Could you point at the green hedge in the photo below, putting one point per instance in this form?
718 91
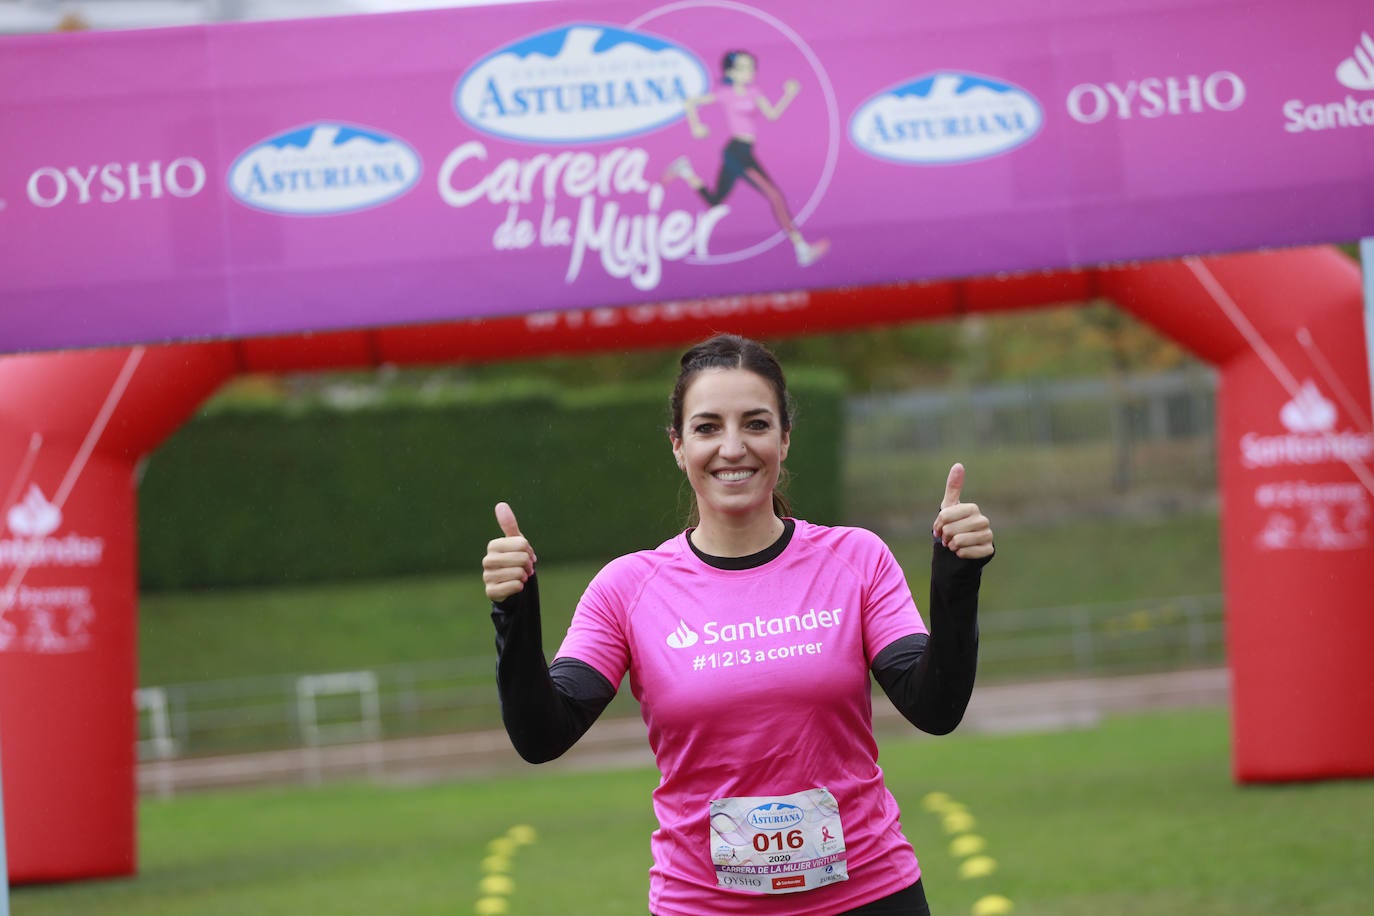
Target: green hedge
265 494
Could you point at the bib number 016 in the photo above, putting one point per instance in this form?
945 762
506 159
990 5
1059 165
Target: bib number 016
764 841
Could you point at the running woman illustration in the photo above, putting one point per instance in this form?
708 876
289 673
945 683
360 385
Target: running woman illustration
741 100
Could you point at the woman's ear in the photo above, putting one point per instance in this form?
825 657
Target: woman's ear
677 447
786 441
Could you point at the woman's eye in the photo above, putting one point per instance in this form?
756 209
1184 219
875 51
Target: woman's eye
761 425
703 429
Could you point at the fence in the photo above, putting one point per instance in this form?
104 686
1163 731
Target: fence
1036 450
312 710
1109 447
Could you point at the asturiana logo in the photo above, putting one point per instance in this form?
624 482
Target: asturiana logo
1355 72
946 117
775 816
580 83
32 522
322 169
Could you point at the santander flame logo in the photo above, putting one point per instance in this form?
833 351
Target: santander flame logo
35 517
683 637
1309 412
1357 71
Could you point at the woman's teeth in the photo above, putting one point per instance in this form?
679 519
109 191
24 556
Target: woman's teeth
733 475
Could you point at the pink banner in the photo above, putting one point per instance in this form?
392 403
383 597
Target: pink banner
263 178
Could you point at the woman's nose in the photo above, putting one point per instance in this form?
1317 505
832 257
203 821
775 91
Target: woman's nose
733 446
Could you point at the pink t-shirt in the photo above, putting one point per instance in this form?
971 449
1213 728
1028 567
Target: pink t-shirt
740 108
756 683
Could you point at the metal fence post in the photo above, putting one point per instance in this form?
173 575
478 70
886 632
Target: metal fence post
1082 640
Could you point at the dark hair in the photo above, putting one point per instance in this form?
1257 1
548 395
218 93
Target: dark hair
730 351
728 61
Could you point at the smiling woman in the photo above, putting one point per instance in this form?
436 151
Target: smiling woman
731 429
770 723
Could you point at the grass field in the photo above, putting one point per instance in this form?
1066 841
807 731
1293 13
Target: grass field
192 636
1136 816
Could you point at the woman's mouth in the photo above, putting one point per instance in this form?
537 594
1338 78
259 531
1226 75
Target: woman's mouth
733 475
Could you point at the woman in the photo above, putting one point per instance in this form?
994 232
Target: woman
741 99
748 639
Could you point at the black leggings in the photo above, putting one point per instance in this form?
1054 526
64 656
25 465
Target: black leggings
909 902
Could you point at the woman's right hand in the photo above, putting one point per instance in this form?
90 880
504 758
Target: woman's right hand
700 130
509 562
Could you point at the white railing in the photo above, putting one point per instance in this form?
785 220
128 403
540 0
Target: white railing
312 711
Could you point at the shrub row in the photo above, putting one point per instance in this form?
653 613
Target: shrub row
259 494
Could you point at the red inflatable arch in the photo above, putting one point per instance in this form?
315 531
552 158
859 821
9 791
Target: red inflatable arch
1283 327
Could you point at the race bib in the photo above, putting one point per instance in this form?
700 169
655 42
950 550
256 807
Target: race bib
778 845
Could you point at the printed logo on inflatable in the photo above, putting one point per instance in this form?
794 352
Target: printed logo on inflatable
580 83
323 169
1312 437
944 118
35 517
1309 412
1310 514
33 522
44 619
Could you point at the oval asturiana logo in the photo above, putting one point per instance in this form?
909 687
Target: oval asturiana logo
580 83
322 169
775 816
946 117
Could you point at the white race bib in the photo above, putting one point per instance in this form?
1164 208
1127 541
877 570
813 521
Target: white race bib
778 845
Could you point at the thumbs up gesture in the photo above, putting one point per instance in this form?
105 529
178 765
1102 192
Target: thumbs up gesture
960 525
509 562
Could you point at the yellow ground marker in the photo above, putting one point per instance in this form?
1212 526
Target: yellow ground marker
496 864
522 834
977 867
991 905
936 801
958 822
966 845
496 886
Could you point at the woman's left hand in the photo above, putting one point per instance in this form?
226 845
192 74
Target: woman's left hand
961 526
791 88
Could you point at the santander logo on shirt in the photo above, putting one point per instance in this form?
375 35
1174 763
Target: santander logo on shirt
760 627
683 637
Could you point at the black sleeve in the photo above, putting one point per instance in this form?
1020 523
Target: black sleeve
930 678
545 708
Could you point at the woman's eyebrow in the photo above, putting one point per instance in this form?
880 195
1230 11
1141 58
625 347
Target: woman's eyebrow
711 415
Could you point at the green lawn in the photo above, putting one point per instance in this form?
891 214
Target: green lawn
192 636
1136 816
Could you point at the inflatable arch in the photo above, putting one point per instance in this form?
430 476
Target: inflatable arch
1283 327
